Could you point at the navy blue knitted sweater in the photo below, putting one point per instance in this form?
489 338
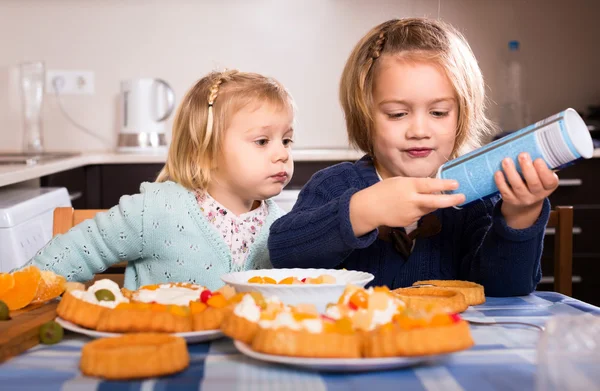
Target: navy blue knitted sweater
474 244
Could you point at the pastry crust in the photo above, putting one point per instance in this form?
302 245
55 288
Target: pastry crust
287 342
209 319
474 294
239 328
134 356
396 341
133 318
432 299
79 311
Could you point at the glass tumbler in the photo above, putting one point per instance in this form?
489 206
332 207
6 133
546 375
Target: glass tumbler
32 77
568 354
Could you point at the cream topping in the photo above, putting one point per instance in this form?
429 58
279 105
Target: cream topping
169 294
385 316
248 309
286 320
90 294
313 325
333 312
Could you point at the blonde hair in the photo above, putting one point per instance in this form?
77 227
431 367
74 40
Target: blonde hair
417 39
203 116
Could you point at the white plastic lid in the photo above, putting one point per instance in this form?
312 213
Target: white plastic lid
18 205
579 134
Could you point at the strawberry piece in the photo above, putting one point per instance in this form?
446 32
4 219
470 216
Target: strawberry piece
205 295
455 318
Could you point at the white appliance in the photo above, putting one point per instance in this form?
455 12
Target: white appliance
26 218
146 104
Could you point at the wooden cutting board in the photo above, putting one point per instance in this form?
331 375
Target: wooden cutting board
21 332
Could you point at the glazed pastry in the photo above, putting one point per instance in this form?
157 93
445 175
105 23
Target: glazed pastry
242 323
409 335
87 307
134 356
211 308
366 308
432 299
474 294
169 308
146 317
302 332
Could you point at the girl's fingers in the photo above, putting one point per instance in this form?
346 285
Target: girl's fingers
532 179
439 201
548 178
505 190
519 188
434 185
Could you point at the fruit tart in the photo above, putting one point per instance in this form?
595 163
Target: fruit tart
87 307
366 308
250 308
302 332
171 308
211 307
418 334
146 317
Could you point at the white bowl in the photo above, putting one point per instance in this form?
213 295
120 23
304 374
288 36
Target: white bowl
318 294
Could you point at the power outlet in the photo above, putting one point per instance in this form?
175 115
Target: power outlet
70 82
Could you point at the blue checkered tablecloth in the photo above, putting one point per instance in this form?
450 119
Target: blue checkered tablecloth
503 358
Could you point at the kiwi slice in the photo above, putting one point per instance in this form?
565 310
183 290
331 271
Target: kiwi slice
104 295
51 333
4 311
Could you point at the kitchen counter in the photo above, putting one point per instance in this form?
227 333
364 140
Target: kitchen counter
11 174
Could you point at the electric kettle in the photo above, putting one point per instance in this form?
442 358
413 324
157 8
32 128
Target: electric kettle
146 104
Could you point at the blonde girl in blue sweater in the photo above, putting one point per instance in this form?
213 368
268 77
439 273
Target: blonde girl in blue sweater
209 212
413 96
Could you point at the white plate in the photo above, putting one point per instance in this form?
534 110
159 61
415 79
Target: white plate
190 337
318 294
338 364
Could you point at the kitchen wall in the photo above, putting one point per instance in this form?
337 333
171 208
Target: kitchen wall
303 43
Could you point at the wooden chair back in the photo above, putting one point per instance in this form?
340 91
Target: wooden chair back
561 220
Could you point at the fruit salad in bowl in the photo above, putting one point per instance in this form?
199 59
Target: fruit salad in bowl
297 286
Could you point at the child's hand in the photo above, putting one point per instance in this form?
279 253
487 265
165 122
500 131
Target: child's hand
523 200
399 202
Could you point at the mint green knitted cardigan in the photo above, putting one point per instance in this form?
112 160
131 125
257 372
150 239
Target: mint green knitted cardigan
163 236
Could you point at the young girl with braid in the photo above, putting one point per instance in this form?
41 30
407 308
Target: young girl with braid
413 98
209 211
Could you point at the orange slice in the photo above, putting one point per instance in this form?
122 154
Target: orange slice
25 288
51 286
217 300
290 281
7 282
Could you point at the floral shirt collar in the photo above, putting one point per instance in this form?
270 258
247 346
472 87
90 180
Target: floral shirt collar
238 232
